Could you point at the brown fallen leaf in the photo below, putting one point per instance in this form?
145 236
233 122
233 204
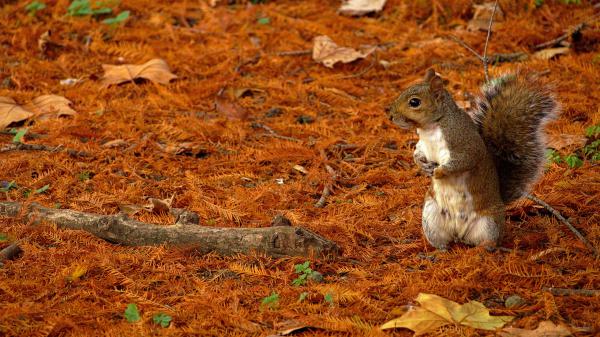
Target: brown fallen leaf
11 112
361 7
560 141
417 319
155 70
130 210
481 17
329 53
436 311
159 205
114 143
230 109
51 106
544 329
548 53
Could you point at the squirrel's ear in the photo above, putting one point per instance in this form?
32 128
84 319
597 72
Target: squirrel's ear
429 75
436 85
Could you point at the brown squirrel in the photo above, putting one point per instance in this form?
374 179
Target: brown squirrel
478 164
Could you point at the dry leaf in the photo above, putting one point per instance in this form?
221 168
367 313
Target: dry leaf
47 106
155 70
159 205
230 109
11 112
114 143
436 311
481 17
546 54
418 320
77 273
327 52
361 7
300 169
130 210
560 141
544 329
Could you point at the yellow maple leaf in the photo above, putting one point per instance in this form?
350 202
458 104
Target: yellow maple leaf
417 319
436 311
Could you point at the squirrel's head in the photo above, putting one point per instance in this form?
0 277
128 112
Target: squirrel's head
418 104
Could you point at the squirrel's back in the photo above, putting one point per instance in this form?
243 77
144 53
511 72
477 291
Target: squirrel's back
511 116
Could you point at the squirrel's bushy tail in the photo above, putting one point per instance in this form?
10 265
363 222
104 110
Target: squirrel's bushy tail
511 116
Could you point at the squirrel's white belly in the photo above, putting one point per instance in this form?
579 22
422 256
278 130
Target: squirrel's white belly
450 193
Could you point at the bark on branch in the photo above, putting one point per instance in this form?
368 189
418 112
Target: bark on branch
273 241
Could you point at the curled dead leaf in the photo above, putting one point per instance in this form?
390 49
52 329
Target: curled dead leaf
114 143
545 329
548 53
155 70
230 109
436 311
50 106
11 112
361 7
159 205
329 53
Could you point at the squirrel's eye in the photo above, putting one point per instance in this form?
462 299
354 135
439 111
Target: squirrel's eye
414 102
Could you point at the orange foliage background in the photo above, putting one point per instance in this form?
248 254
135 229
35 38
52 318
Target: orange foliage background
229 176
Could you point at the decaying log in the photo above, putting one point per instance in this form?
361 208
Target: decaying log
120 229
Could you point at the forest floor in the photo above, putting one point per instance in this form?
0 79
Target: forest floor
199 140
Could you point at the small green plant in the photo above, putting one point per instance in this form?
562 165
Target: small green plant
592 131
83 176
83 8
263 21
132 314
553 156
304 272
3 237
18 137
6 186
162 319
122 17
42 189
573 161
303 296
592 151
33 7
271 301
328 298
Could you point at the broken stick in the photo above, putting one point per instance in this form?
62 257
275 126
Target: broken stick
120 229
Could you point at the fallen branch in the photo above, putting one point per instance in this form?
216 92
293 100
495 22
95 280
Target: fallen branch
28 135
294 52
564 220
41 147
567 292
120 229
10 252
327 189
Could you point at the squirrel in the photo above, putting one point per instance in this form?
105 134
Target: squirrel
479 162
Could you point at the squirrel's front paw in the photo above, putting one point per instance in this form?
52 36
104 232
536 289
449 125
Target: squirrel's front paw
426 166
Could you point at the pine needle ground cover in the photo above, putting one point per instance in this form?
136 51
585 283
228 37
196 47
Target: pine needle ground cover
233 119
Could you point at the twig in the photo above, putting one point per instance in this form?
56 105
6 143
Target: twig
487 39
41 147
567 292
561 38
120 229
467 47
565 221
272 133
327 189
509 57
28 135
360 73
294 52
